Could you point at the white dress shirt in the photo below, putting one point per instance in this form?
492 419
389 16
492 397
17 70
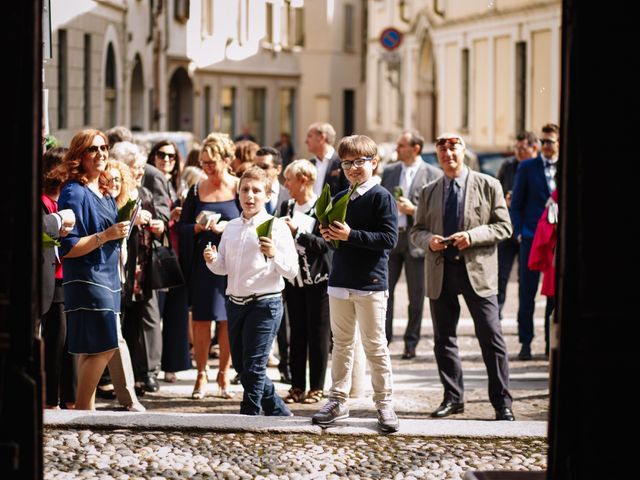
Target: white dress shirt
322 164
407 174
239 257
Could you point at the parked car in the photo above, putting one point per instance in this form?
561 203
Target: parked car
490 162
184 140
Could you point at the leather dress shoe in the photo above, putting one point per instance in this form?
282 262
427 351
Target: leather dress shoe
409 353
505 413
525 353
447 408
150 383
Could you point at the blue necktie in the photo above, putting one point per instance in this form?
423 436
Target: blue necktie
450 220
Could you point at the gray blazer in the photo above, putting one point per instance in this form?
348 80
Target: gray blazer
486 219
426 174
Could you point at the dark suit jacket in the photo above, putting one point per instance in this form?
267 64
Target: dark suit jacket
283 196
426 174
155 182
529 196
50 227
335 176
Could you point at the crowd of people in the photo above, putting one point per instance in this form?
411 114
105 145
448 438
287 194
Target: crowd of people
262 264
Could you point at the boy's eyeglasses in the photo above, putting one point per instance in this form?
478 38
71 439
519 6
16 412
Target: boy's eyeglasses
358 162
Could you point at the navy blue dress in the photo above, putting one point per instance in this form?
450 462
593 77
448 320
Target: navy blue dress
91 282
207 290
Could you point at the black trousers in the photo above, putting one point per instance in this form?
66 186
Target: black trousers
445 313
414 272
141 328
507 252
59 365
308 309
174 309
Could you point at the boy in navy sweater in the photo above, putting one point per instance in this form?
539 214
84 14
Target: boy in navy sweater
358 285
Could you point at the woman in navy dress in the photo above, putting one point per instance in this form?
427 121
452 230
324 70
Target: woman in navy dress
90 261
207 291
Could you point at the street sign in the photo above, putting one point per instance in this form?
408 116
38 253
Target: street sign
390 38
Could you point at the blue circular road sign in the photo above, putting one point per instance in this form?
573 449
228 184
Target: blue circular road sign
391 38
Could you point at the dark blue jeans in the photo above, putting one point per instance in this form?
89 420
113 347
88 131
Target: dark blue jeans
252 328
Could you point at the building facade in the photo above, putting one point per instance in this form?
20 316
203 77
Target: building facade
264 66
484 69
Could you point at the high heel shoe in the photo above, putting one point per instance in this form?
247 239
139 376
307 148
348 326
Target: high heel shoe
200 386
222 386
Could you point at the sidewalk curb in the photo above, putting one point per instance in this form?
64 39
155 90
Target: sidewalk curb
260 424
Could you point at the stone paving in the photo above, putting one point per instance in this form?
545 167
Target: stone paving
125 454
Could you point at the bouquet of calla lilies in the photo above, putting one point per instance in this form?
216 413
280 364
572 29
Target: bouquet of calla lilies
327 211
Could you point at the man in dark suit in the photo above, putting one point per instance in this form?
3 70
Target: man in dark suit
460 220
269 159
405 180
526 147
320 139
534 182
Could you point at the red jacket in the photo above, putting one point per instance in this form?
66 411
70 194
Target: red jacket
542 256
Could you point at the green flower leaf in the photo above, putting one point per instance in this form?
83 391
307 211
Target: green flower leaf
126 210
48 241
323 205
338 211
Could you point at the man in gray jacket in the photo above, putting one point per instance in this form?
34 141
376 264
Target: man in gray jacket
461 218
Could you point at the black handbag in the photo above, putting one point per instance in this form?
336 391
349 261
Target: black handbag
165 268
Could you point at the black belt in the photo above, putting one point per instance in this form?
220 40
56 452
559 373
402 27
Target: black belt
253 298
403 229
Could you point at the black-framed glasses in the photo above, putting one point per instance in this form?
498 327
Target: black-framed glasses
163 155
549 141
115 180
358 162
93 149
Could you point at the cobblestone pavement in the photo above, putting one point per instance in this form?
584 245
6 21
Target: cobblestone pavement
125 454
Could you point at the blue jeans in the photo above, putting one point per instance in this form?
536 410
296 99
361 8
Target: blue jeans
252 328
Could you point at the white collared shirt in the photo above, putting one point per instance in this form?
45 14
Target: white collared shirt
407 174
239 257
322 164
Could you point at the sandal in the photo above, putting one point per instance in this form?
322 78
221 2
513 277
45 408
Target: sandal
295 395
313 396
200 386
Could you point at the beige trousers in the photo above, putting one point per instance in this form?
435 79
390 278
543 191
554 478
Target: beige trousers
369 314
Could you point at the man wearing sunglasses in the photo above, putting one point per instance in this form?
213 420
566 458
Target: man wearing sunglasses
534 182
460 219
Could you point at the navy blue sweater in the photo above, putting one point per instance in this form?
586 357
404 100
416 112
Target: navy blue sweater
361 263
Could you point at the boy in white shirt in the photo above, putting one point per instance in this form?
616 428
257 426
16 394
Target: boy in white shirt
255 267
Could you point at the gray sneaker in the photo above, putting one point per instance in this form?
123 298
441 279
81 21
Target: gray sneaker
388 420
333 410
